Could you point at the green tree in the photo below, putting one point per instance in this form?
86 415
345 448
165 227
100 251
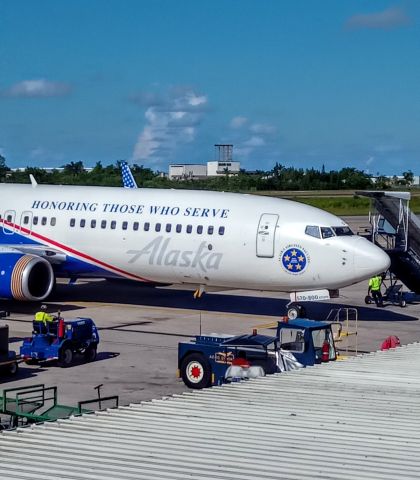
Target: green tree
73 168
4 169
408 177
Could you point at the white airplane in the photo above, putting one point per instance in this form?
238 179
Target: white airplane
199 238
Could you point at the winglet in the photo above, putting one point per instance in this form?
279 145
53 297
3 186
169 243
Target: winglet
33 181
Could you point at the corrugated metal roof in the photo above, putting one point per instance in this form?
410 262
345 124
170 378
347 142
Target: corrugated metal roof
343 420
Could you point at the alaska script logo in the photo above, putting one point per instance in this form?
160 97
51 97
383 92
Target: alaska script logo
158 252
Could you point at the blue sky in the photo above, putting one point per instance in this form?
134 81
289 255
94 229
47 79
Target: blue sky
299 82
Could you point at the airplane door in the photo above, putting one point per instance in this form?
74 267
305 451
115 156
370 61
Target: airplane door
266 235
9 219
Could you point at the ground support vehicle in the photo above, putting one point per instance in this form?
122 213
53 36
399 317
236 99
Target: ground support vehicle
394 294
38 403
61 340
8 358
205 360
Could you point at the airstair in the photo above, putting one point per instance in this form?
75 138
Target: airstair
397 230
344 324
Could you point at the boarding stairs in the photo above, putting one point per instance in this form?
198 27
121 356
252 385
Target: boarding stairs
344 323
397 230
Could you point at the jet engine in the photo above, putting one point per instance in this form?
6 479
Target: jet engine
25 276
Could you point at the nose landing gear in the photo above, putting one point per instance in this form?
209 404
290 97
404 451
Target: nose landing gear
295 310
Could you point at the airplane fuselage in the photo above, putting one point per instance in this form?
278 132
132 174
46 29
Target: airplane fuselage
180 236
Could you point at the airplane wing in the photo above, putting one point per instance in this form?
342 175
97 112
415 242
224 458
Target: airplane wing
53 255
127 176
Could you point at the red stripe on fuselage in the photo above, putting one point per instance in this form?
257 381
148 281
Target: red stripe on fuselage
72 251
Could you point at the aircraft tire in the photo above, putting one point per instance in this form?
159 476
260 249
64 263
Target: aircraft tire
196 371
296 311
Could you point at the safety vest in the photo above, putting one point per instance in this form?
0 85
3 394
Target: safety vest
43 317
375 283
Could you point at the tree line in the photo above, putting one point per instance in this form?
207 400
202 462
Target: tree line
279 177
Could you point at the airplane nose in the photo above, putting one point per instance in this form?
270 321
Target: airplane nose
370 259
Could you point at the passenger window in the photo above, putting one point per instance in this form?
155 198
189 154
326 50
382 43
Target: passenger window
189 228
35 221
313 231
199 229
103 224
179 228
93 224
168 227
124 225
221 230
326 232
44 221
146 226
136 226
72 221
157 227
82 223
26 220
113 224
9 218
210 230
52 221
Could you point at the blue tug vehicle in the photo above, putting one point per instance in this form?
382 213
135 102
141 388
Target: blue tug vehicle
214 359
61 340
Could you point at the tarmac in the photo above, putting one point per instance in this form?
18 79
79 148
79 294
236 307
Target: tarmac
140 328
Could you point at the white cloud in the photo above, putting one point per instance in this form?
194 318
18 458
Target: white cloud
246 148
44 157
387 148
195 100
370 160
255 142
392 17
171 122
238 122
37 88
37 152
262 128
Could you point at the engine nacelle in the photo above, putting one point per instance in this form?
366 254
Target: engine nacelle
25 276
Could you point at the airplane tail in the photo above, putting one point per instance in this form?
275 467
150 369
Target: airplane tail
127 176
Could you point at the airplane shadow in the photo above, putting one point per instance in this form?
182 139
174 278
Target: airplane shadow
133 294
130 294
320 311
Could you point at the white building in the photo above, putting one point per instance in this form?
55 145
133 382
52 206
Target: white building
186 171
392 178
218 167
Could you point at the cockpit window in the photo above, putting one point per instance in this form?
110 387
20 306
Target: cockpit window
313 231
342 231
327 232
